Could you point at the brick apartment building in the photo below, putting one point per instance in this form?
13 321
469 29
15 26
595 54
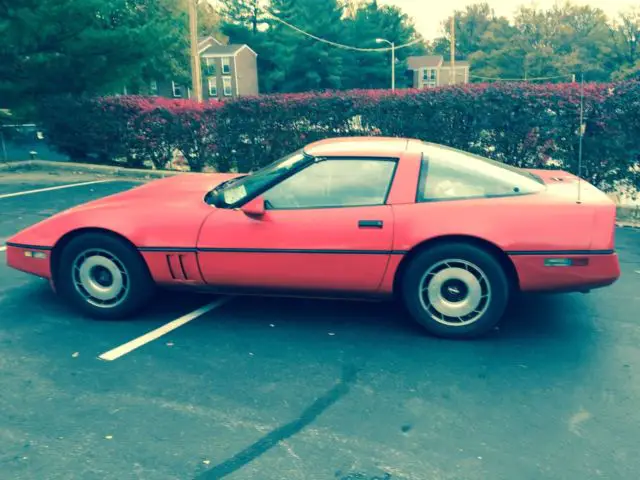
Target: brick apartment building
228 71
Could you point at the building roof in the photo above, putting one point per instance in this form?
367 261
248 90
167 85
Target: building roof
370 146
424 61
231 49
432 61
206 40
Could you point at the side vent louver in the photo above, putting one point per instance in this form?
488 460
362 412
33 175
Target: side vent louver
173 275
176 268
184 272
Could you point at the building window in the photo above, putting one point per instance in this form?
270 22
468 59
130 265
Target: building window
226 65
210 66
430 77
153 87
176 89
213 87
226 86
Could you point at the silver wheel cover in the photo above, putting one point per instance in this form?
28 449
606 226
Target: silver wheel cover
100 278
455 292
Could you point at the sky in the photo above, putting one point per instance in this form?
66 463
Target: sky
429 14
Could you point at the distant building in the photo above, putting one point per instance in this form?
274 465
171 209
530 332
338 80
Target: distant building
431 71
228 71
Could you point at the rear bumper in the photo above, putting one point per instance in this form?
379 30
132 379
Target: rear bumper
33 260
595 271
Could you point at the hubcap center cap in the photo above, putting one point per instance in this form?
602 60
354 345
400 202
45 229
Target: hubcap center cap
454 290
102 276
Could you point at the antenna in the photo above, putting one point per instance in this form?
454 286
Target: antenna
582 130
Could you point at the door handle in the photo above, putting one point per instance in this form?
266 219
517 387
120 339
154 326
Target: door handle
370 224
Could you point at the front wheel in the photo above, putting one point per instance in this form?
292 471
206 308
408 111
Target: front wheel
103 276
456 290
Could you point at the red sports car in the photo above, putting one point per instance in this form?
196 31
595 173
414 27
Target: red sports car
451 234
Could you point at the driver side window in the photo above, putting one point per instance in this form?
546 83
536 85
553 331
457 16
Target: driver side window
334 183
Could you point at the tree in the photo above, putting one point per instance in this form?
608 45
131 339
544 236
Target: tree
306 63
626 33
470 26
82 46
501 54
369 21
247 14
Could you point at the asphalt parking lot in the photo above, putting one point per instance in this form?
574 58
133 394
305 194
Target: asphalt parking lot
275 389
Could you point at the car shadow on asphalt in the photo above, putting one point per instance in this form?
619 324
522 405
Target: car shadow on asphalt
528 315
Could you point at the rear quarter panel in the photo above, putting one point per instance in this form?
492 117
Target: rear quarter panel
527 223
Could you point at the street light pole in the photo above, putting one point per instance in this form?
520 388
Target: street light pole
393 66
393 61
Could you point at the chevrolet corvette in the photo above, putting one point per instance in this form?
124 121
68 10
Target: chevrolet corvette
450 234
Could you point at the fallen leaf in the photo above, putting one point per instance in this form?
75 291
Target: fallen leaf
331 333
206 462
250 354
108 437
75 354
271 325
169 344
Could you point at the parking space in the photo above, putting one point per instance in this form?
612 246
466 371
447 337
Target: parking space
281 389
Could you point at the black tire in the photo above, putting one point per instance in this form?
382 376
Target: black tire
490 278
134 273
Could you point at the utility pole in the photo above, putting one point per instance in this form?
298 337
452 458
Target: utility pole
452 78
196 75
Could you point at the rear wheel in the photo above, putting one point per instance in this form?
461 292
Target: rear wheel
456 290
103 276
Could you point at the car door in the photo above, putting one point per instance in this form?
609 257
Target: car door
326 228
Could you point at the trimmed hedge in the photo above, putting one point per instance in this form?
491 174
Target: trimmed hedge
534 126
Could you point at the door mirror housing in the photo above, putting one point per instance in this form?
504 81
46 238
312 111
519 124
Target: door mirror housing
254 207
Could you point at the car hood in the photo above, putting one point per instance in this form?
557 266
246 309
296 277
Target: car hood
140 214
177 190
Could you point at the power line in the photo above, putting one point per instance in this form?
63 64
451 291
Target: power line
332 43
340 45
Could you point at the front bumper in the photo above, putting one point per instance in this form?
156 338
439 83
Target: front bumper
30 259
548 273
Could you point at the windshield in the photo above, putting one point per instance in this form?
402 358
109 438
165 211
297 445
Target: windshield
234 191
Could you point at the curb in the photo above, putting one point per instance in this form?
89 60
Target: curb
628 215
72 167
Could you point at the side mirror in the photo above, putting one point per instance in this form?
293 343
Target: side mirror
254 208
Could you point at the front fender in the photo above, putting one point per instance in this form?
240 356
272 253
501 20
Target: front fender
144 224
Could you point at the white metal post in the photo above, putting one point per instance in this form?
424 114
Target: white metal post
393 66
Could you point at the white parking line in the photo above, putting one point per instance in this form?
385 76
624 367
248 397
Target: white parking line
48 189
158 332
